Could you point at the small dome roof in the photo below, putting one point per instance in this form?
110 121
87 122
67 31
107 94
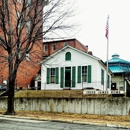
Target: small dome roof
117 65
115 55
116 59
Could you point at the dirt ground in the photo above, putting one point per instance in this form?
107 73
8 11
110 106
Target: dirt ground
100 119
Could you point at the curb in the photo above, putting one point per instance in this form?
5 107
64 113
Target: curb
69 121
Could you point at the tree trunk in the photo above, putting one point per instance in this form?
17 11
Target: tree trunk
10 105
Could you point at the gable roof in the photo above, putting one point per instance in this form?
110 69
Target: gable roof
65 47
62 40
37 77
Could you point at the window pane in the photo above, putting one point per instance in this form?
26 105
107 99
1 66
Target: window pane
54 47
84 78
84 73
52 71
68 56
45 48
52 79
52 75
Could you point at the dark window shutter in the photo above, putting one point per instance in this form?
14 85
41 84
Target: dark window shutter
48 76
68 56
62 77
73 76
79 74
102 76
108 81
89 73
57 75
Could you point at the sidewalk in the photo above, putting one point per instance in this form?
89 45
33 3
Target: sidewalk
71 119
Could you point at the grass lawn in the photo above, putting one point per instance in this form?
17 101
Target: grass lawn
55 94
103 119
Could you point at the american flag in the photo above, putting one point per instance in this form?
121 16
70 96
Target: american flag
107 28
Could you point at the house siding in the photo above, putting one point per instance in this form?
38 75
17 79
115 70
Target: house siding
119 80
83 60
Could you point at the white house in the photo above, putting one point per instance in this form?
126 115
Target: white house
70 68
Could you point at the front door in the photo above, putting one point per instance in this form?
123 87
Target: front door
39 85
67 77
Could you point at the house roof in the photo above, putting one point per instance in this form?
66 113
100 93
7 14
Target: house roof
61 40
117 65
118 69
37 77
65 47
116 59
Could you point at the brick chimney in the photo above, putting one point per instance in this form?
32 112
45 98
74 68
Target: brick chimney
90 52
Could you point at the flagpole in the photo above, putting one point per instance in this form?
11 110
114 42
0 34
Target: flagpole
107 36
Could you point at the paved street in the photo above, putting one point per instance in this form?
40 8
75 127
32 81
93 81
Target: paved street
25 124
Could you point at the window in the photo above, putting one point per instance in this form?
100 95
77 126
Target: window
45 48
27 57
18 14
28 26
65 44
28 4
19 1
68 56
53 47
52 75
84 73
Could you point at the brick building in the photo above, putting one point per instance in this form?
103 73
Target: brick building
53 46
27 69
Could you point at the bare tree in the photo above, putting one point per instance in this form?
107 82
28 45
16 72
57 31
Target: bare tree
125 71
23 26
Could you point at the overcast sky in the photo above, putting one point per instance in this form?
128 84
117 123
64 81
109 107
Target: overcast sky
93 16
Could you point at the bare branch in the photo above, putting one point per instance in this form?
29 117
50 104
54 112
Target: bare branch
23 26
